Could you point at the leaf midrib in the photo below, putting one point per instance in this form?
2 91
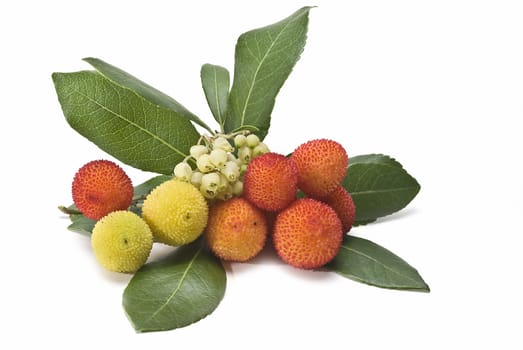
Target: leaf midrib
131 122
379 263
173 294
218 106
398 189
242 119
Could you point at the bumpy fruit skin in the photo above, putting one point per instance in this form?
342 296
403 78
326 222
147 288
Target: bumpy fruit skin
307 234
236 230
121 241
270 182
322 165
100 187
341 201
176 211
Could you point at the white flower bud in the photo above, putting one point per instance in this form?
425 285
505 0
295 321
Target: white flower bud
259 150
226 193
237 188
240 141
231 157
223 183
243 168
231 171
253 140
210 181
218 158
197 150
222 143
245 154
196 178
183 171
208 193
204 163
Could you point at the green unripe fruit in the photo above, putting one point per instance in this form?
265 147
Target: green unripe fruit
176 211
121 241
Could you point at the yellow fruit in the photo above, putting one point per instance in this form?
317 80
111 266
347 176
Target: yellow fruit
176 211
121 241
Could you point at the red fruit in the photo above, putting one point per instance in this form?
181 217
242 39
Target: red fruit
100 187
341 201
270 182
322 165
307 234
236 230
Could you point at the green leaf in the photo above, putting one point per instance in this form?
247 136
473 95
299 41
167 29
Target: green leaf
146 187
364 261
124 79
215 83
179 290
379 186
375 159
264 59
82 225
122 123
363 222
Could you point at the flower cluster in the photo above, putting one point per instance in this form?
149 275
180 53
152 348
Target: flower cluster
219 163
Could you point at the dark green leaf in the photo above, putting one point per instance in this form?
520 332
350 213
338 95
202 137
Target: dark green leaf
375 159
80 224
379 186
264 59
179 290
124 79
363 222
122 123
364 261
215 83
144 188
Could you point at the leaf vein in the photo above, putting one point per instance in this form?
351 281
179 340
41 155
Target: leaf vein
220 120
182 279
379 263
154 136
242 119
386 190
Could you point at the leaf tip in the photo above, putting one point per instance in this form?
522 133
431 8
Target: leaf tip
90 60
55 76
425 288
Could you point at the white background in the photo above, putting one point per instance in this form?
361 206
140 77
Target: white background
436 84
